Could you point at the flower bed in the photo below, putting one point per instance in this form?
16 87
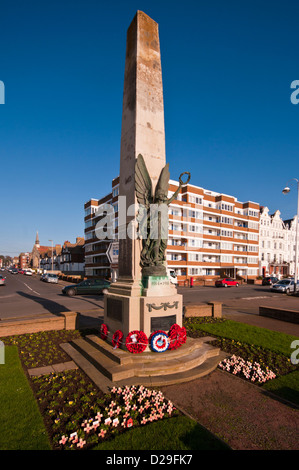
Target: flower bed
78 416
42 348
250 371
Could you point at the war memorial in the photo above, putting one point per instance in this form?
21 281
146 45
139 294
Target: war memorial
142 338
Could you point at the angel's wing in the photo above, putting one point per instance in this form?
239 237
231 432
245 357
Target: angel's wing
143 183
161 191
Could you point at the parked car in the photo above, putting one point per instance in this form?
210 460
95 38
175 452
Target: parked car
290 289
172 276
28 272
89 286
42 278
268 281
21 271
227 281
2 281
284 285
14 271
49 277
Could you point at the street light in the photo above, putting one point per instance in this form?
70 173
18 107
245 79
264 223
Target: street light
52 253
286 190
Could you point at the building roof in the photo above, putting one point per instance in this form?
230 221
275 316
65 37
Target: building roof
80 241
43 249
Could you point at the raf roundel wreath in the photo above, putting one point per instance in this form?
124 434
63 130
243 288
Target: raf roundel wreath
117 339
159 341
136 341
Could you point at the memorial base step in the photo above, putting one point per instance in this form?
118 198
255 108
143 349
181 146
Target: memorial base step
109 367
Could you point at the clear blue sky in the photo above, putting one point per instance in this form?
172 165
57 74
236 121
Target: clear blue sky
227 69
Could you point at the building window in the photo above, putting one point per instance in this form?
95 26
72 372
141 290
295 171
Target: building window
227 207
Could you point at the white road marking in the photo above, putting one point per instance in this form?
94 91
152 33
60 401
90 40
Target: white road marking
31 289
260 297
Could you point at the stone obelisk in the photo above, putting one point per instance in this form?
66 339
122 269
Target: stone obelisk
142 123
142 133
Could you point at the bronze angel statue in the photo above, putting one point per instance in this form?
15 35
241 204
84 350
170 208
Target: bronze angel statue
153 216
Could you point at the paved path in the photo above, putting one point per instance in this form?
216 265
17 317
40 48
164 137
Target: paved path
238 412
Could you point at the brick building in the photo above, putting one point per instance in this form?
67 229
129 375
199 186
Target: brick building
24 260
210 235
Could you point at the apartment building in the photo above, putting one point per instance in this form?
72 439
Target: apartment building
290 226
96 261
210 235
24 259
274 255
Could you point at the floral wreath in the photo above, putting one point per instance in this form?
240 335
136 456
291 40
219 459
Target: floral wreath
136 341
104 331
159 341
117 339
177 335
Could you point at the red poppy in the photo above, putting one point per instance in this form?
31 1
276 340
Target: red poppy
129 423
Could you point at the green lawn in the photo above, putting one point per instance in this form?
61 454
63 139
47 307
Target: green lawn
22 426
179 433
286 386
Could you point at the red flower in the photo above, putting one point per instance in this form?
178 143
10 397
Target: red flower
129 423
136 341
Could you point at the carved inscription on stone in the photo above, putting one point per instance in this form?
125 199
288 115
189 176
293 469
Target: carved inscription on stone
162 323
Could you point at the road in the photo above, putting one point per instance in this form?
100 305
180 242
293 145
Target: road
242 304
26 295
245 298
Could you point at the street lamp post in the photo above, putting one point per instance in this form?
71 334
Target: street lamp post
286 190
52 253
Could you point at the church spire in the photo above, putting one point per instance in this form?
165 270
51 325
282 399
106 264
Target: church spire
37 240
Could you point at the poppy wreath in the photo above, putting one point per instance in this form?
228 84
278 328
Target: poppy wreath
117 338
159 341
104 331
177 335
136 341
